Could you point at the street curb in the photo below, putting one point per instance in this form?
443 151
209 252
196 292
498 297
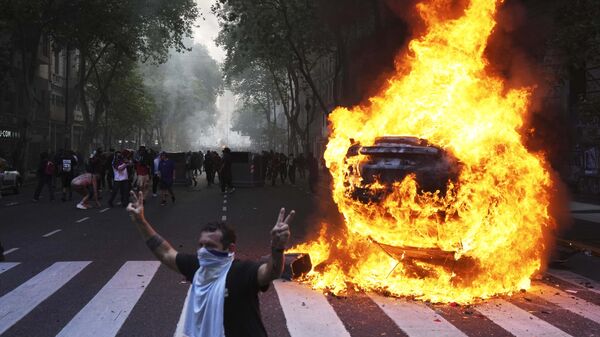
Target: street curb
579 246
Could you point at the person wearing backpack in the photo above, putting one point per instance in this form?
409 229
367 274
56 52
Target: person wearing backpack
66 167
46 171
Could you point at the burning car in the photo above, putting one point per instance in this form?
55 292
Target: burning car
391 158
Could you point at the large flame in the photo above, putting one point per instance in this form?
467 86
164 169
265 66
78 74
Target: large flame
494 215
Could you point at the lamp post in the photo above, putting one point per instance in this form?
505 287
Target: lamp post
67 129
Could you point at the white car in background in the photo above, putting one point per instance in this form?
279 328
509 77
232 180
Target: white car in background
10 178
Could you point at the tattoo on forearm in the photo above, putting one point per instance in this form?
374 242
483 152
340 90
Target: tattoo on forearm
154 242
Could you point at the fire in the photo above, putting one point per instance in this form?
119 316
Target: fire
493 217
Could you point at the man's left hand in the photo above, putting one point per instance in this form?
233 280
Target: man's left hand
280 234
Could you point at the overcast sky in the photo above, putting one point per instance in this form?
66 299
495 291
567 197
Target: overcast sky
207 30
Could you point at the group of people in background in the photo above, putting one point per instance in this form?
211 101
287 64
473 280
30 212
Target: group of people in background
146 170
278 165
118 171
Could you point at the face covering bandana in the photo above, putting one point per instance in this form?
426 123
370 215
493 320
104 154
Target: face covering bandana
205 308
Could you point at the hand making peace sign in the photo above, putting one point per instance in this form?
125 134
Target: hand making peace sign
280 234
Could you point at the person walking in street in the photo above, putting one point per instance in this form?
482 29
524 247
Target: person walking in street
166 169
155 175
283 167
121 180
87 185
45 172
223 299
66 166
225 173
292 168
301 166
142 170
209 168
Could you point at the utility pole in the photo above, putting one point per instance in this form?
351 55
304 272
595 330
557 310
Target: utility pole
67 128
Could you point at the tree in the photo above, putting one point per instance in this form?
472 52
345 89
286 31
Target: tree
284 39
105 32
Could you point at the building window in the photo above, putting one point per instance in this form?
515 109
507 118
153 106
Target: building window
45 44
57 62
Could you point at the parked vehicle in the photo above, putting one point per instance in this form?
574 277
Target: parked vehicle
10 178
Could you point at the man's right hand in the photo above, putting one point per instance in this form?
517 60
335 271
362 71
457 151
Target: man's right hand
136 208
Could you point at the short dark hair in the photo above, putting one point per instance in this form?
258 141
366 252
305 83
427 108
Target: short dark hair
228 233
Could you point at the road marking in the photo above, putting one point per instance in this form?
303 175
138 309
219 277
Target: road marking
567 301
575 279
4 266
18 303
224 218
224 209
104 315
181 322
517 321
12 250
307 312
225 202
51 233
104 210
83 219
580 206
416 318
14 203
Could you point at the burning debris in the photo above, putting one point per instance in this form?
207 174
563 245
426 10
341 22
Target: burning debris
458 209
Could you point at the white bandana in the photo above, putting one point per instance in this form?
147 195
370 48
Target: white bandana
204 317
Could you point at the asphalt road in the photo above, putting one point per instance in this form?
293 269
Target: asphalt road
74 268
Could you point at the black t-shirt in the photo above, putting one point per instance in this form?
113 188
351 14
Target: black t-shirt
242 311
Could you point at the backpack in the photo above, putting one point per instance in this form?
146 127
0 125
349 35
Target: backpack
50 168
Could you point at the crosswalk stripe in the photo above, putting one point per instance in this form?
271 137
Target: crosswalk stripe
517 321
416 318
104 315
566 301
19 302
181 322
4 266
12 250
307 312
575 279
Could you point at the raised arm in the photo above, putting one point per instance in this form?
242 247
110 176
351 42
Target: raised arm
280 235
162 249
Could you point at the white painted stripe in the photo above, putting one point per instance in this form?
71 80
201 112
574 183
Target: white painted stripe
416 318
19 302
104 210
224 209
181 322
591 217
224 218
580 206
104 315
225 202
14 203
12 250
51 233
567 301
4 266
575 279
517 321
307 312
83 219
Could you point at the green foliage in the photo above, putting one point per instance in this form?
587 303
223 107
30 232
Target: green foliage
130 105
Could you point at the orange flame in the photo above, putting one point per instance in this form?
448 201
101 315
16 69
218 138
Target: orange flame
495 215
